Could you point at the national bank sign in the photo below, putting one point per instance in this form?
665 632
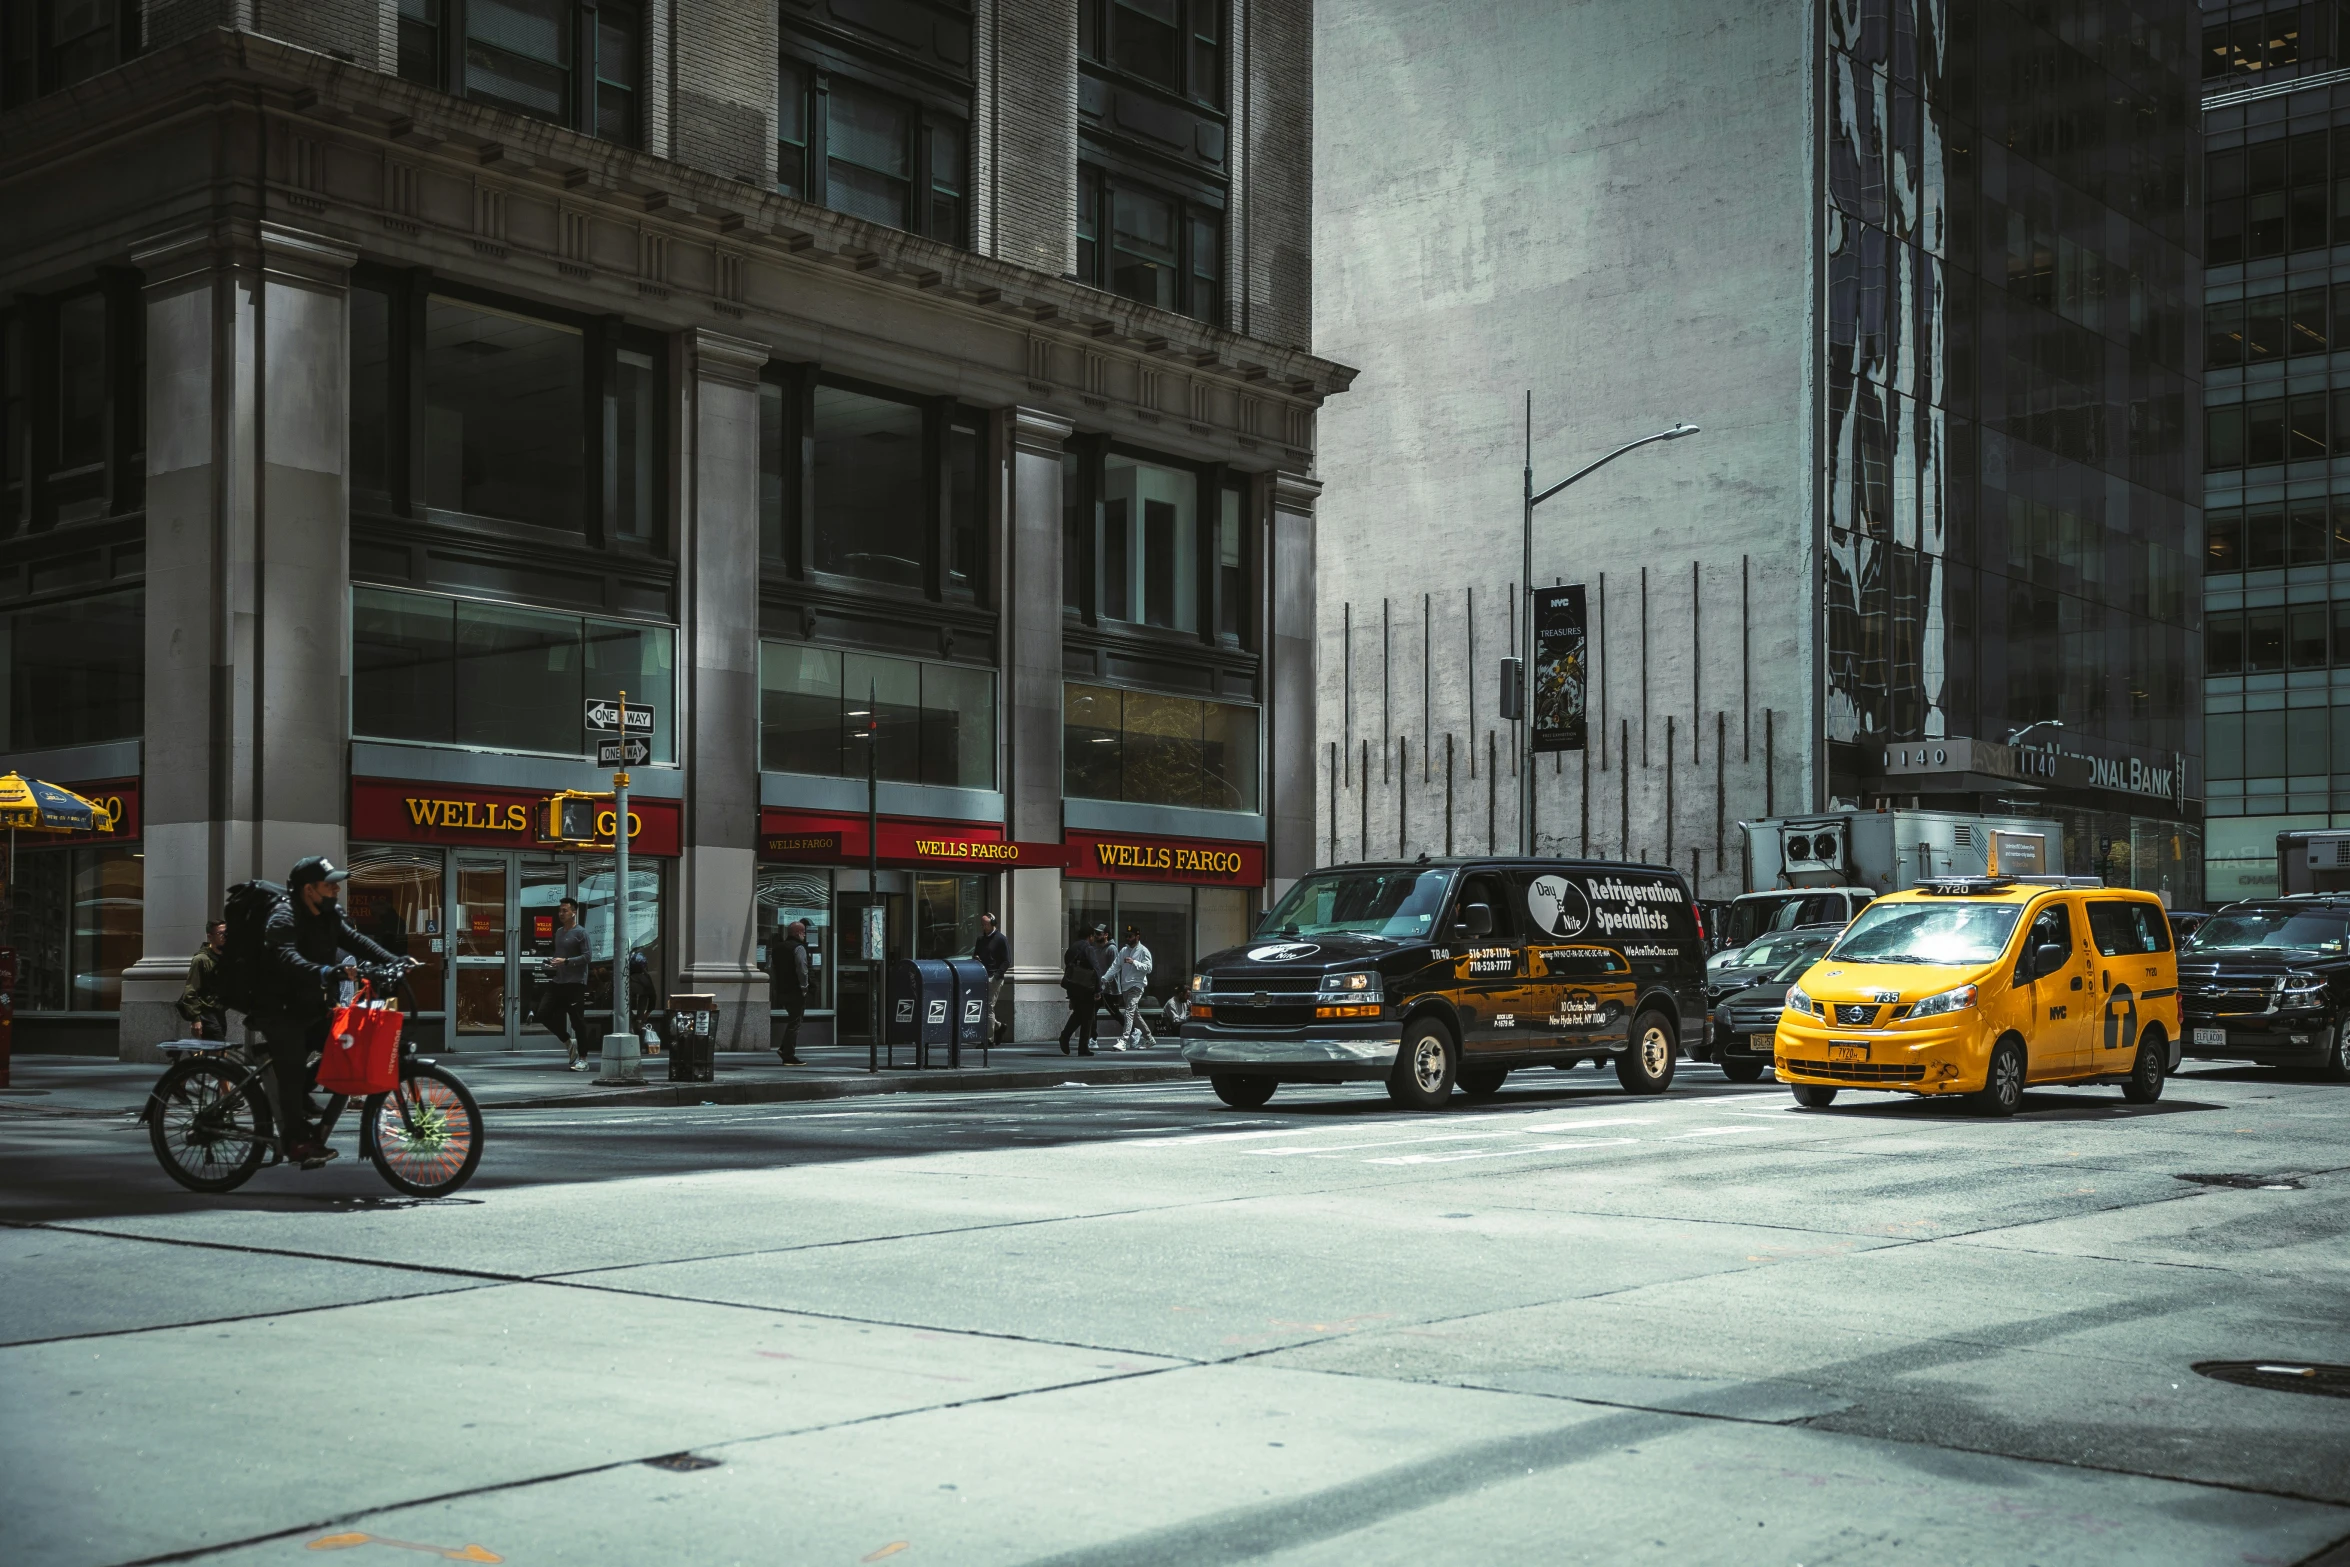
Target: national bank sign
1915 761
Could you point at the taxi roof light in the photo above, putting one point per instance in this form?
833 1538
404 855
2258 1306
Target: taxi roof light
1965 886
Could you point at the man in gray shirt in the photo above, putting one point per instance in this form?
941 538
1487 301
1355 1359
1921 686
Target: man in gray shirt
563 1009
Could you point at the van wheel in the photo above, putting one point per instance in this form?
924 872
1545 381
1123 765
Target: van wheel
1242 1093
1647 1068
2003 1081
2144 1084
1483 1085
1424 1067
1743 1069
1813 1096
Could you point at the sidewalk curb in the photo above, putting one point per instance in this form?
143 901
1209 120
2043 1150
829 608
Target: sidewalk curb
787 1090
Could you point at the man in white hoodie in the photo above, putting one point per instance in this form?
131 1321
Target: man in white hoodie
1129 976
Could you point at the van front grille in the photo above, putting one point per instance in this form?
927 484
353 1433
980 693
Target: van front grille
1859 1071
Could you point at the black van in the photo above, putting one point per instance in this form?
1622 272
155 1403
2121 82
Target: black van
1454 971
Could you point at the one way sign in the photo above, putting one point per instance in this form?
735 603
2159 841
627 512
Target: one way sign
634 751
603 716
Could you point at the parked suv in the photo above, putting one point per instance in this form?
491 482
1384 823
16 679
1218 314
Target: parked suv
2268 981
1756 914
1451 972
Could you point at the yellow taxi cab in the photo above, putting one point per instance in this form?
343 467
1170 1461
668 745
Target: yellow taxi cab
1981 985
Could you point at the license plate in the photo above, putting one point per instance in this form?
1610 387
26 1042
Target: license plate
1848 1052
2211 1036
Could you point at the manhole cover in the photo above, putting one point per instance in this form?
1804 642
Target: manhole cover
681 1461
2285 1376
2249 1183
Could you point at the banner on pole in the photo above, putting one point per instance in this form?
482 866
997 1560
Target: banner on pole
1561 669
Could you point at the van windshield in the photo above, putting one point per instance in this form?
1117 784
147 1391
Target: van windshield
1399 905
1946 934
2286 930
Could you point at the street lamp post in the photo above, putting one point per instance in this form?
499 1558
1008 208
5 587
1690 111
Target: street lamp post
1526 617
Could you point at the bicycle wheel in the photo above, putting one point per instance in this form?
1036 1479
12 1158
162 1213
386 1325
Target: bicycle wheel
208 1125
432 1149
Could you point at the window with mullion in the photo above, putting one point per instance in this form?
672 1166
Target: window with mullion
573 62
1174 44
518 55
856 148
1150 245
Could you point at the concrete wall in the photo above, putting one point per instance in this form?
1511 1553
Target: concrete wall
1610 205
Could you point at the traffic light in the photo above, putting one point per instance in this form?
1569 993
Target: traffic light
571 818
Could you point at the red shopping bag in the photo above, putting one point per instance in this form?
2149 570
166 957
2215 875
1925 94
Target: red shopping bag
362 1049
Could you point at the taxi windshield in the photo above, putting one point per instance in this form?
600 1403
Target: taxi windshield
1948 935
1400 905
2288 930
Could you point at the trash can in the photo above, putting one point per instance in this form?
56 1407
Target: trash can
692 1030
971 1018
921 1007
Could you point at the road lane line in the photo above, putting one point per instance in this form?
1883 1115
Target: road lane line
1502 1153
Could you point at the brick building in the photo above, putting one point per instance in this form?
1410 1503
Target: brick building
920 386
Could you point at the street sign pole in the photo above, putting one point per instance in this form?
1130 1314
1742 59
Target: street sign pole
622 1058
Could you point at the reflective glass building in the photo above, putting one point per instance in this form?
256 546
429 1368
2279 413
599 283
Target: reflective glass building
2276 120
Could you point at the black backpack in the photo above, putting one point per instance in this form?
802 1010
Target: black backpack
243 965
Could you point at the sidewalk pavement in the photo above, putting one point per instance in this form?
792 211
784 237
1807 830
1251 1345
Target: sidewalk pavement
86 1086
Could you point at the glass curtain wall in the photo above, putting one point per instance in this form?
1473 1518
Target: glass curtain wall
2010 390
936 721
2276 540
1149 748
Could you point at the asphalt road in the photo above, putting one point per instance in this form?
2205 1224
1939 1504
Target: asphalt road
1128 1326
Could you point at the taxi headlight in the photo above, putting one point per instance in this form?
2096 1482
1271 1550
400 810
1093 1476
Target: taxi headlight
1349 984
1799 1001
1957 999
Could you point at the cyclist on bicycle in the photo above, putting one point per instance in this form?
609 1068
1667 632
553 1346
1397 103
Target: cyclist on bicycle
308 946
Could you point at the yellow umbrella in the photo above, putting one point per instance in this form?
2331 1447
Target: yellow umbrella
29 805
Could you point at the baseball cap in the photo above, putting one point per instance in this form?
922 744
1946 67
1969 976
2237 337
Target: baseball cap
316 867
1101 930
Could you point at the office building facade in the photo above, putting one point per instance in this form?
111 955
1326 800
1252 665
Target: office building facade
1924 273
2276 563
912 406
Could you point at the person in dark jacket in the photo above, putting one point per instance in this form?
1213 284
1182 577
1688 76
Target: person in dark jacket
1082 968
793 975
306 946
563 1005
994 954
200 1005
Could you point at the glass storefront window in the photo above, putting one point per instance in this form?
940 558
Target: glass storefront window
788 893
499 677
937 721
76 926
1179 924
74 673
1153 749
394 897
946 915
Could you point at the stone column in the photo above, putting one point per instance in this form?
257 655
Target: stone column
718 645
1289 683
248 514
1031 601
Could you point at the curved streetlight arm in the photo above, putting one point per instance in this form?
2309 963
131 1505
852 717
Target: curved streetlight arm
1674 434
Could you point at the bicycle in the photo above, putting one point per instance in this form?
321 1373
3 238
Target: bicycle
210 1121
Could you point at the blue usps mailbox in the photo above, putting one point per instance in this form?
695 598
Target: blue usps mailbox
970 1008
921 1007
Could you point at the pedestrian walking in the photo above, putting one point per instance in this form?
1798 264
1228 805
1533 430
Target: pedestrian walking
994 954
563 1003
1082 968
1130 976
200 1004
792 975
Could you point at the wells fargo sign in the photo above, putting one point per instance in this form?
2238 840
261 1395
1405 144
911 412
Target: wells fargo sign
1125 857
391 811
822 838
